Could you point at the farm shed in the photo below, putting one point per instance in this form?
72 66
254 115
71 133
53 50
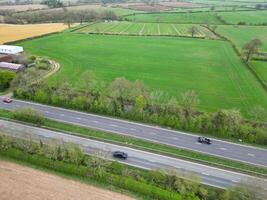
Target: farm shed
9 49
11 66
6 58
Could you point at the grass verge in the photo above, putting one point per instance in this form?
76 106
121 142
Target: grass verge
149 146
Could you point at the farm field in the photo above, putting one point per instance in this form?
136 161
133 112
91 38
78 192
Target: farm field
181 18
32 184
261 68
172 65
9 33
240 35
249 17
19 8
124 28
208 8
98 7
228 3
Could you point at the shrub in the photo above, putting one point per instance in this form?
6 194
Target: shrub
28 115
5 79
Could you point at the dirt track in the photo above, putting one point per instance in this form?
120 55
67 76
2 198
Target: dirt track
19 182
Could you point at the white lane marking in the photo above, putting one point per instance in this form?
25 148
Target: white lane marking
175 138
113 125
96 121
78 118
204 173
62 115
47 112
224 149
135 123
133 129
235 181
251 154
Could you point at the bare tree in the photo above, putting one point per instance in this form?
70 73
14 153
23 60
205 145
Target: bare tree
251 48
193 31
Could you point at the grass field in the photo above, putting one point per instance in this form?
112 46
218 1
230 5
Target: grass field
228 2
240 35
261 68
250 17
9 33
145 29
173 65
181 18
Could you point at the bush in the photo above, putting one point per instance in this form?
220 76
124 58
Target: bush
29 115
5 79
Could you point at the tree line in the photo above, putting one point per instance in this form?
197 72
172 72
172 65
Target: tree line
59 15
132 100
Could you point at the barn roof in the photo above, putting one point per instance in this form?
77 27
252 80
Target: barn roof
11 66
10 49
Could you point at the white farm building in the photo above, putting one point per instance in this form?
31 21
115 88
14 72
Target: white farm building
9 49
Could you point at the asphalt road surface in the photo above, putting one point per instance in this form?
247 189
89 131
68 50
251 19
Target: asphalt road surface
209 175
252 155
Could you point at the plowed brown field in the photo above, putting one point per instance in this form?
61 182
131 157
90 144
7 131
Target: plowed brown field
20 182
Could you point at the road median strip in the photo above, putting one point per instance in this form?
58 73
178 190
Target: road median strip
146 146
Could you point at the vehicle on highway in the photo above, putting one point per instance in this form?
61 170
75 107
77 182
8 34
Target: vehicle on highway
7 100
204 140
120 154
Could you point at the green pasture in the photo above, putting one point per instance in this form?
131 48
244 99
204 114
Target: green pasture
249 17
126 28
171 65
261 69
240 35
181 18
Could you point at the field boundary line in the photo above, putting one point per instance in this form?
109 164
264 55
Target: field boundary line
127 27
178 32
142 29
110 26
158 30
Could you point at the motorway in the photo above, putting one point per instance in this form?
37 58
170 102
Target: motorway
208 175
248 154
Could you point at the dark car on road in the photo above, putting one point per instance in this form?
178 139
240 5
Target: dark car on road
204 140
120 154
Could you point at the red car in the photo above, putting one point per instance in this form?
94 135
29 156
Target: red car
7 100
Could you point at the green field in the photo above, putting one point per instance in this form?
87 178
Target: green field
249 17
228 2
124 28
179 18
261 68
172 65
121 11
240 35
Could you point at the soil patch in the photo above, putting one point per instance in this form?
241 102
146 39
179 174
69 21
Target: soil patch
19 182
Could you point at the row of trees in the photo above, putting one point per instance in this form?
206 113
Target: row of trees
59 15
132 100
159 184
